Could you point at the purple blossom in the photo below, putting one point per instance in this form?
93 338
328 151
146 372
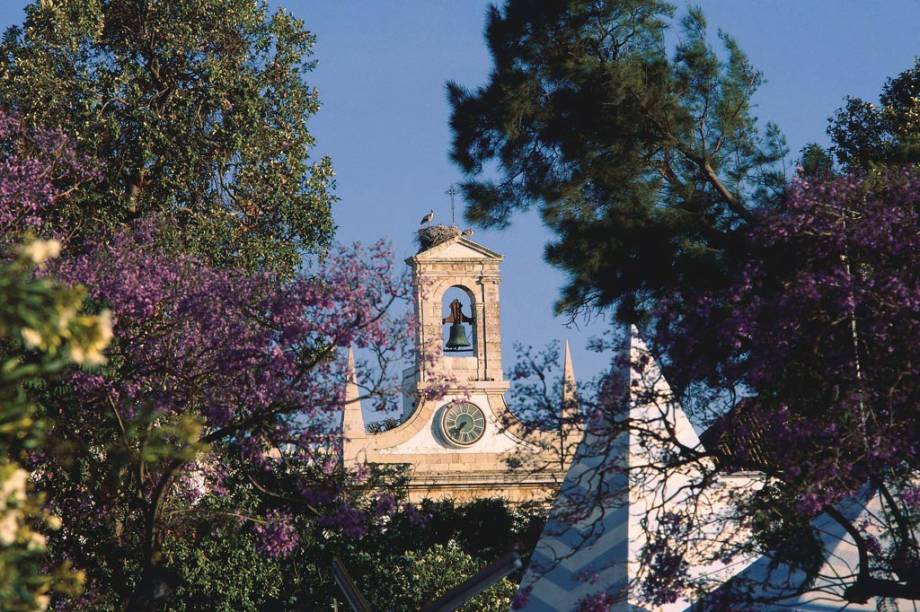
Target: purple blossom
521 598
277 536
417 518
911 497
33 162
819 332
385 505
233 344
350 520
240 374
599 602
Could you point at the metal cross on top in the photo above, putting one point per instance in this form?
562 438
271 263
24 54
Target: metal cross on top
452 192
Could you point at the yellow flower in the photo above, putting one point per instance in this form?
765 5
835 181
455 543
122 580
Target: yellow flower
104 327
90 351
66 314
36 541
9 526
12 489
31 337
42 601
39 251
15 485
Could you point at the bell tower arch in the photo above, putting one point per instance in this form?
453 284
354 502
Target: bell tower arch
456 269
459 338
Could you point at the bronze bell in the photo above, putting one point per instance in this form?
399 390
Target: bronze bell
457 340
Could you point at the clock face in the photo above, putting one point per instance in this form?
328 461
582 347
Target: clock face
463 423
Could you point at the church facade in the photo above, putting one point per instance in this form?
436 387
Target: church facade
457 436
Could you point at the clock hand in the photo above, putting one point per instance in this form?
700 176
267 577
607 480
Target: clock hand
458 428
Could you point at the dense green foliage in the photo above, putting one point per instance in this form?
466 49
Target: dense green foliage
418 555
194 109
815 162
866 134
403 562
217 560
409 582
644 161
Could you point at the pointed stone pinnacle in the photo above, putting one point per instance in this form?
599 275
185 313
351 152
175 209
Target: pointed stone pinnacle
352 418
568 376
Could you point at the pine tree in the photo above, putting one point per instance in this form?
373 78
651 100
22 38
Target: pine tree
644 162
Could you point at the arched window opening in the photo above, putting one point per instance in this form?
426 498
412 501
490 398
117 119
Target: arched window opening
459 333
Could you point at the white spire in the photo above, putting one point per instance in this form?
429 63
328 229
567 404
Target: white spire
571 431
569 391
604 538
353 432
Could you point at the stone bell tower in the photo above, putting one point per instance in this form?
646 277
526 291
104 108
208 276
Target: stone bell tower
472 269
456 433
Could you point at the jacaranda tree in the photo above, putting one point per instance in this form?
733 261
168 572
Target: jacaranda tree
802 371
809 362
213 374
40 173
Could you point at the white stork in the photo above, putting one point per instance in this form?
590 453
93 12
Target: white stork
427 218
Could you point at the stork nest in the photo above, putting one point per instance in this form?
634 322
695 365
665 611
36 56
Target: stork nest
434 235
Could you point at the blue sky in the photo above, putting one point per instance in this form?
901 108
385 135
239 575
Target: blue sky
381 75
